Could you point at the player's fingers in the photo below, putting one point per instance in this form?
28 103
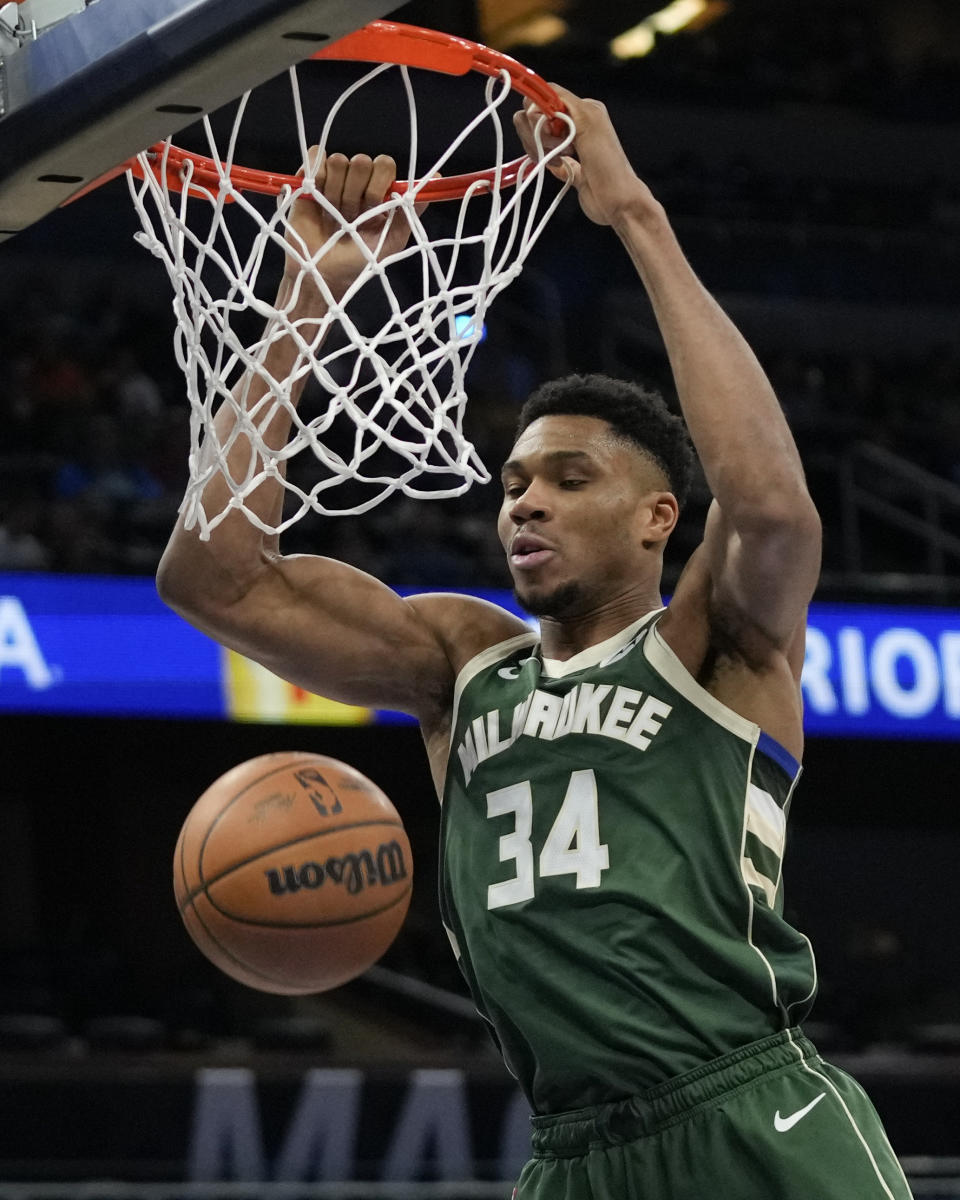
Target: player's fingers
314 166
569 98
335 174
535 136
355 185
534 111
584 112
531 113
382 178
567 170
521 123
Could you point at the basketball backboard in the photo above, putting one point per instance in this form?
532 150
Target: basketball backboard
99 80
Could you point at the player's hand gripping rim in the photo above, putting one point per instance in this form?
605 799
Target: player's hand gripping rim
328 231
599 169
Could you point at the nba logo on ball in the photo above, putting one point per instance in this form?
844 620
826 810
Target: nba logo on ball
293 873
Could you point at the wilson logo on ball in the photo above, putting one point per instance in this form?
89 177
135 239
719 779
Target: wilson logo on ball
353 871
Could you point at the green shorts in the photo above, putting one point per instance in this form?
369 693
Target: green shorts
772 1121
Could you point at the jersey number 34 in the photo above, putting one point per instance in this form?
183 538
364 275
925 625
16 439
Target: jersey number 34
572 846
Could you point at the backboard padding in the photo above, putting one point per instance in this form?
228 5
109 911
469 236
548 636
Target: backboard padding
111 80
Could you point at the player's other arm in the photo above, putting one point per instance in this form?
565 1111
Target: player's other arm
761 554
761 546
319 623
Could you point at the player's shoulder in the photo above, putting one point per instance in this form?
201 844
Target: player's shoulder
466 625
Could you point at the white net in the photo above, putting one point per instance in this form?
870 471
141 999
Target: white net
387 362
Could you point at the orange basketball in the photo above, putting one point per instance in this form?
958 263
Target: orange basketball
293 872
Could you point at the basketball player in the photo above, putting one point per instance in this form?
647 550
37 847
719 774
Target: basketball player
615 791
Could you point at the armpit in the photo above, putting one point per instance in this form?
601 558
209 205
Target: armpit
736 639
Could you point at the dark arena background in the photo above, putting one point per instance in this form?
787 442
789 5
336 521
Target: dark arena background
807 153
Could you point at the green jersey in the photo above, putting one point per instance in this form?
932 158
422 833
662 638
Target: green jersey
612 838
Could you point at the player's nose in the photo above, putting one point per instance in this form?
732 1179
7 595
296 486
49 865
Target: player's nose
530 505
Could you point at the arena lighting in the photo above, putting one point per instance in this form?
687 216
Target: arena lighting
640 40
508 23
466 330
539 30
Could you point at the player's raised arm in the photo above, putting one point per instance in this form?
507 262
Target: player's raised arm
320 623
761 550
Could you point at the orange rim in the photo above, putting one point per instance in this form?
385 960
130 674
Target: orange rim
378 42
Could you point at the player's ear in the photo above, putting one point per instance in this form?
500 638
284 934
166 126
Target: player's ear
661 513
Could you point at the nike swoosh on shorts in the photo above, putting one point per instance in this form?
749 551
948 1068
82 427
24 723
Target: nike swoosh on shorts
782 1124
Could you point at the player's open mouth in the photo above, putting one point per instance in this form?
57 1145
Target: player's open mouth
527 551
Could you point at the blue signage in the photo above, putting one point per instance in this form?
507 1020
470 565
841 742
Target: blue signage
882 672
99 645
108 646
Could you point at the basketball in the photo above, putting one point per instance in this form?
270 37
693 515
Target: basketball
293 873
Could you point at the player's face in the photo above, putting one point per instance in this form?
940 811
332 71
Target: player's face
583 517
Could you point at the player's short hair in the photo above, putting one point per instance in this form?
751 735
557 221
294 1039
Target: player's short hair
635 413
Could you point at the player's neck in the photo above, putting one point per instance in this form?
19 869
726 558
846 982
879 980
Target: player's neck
563 637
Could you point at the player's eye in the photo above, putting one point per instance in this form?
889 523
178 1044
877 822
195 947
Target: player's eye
572 483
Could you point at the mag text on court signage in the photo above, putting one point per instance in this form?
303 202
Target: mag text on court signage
231 1124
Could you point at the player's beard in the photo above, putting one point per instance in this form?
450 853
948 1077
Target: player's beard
563 601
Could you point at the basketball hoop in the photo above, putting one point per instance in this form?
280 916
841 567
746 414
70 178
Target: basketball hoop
398 386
